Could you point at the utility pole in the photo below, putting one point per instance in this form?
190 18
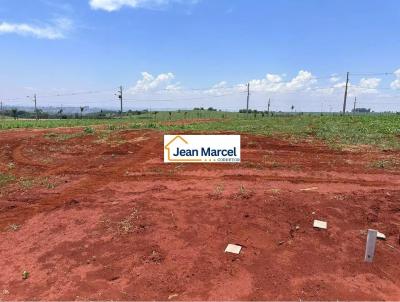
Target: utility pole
269 105
345 94
248 98
355 102
120 99
34 99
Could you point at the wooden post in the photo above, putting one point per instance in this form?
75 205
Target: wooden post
370 246
355 103
36 111
120 98
248 98
345 94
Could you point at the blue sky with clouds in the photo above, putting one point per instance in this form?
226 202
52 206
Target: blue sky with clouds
201 52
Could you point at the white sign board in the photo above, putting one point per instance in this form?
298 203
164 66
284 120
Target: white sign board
202 148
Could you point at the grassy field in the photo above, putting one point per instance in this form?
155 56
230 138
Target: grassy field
382 131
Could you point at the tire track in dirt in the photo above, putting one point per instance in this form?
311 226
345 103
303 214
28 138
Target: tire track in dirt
377 183
88 182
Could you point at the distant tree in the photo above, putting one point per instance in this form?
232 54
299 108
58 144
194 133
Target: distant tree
82 109
361 110
170 114
292 108
14 113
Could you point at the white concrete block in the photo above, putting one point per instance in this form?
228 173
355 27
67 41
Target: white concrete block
320 224
233 248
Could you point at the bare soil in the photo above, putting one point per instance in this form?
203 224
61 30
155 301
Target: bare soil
102 217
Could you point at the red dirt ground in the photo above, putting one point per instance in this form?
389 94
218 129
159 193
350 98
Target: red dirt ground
101 217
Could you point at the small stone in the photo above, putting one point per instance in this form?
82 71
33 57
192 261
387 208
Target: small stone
25 275
381 236
172 296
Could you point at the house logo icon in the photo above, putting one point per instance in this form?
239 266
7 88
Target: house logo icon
170 145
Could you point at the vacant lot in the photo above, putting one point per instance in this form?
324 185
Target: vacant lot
95 214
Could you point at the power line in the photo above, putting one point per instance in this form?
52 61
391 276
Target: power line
185 99
357 74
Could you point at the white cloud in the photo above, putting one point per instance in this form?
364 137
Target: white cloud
221 84
219 89
370 83
396 83
56 30
334 79
275 83
273 78
153 83
114 5
302 80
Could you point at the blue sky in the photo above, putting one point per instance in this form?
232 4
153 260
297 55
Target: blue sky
201 53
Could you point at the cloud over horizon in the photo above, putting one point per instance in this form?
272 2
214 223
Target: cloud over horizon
115 5
396 83
55 30
150 83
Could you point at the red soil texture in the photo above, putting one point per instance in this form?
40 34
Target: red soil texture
98 217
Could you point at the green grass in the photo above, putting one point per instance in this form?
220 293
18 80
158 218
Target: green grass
337 131
382 131
66 136
85 122
5 179
15 124
62 137
387 164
